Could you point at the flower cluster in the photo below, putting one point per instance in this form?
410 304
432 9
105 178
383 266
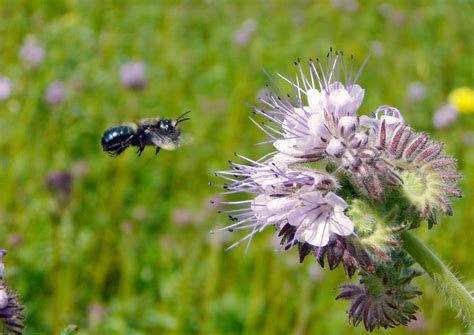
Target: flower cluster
32 54
10 308
340 185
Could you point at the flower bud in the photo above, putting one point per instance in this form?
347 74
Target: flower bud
335 148
376 232
382 299
358 140
347 126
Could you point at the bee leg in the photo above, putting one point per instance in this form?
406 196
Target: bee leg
120 150
116 149
140 150
157 150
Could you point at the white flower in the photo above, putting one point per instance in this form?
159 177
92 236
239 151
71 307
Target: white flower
318 217
308 126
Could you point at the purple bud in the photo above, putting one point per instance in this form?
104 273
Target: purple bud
347 126
335 148
358 140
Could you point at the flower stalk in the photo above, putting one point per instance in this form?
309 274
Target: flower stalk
444 280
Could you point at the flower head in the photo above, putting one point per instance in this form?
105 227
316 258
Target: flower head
382 299
317 217
10 308
321 125
342 186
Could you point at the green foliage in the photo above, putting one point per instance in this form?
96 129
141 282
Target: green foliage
70 330
117 257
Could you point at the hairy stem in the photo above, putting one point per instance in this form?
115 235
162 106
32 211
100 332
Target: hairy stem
446 283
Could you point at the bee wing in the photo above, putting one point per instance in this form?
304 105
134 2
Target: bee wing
160 140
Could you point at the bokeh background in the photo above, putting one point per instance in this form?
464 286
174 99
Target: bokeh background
121 245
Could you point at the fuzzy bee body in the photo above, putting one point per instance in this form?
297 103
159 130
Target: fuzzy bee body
157 132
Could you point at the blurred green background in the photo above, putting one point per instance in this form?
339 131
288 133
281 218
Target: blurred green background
128 250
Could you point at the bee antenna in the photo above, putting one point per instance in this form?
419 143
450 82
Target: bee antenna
180 119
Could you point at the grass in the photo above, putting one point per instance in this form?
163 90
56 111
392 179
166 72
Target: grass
110 259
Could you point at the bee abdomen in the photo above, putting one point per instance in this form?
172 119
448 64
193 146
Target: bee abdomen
116 139
117 134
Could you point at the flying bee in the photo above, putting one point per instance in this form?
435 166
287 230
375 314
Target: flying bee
158 132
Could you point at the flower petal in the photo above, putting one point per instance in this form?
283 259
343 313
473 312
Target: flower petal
318 236
335 200
341 224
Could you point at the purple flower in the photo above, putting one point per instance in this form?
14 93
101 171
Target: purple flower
342 187
468 138
278 190
182 216
3 252
132 75
245 32
59 183
377 48
310 121
5 88
55 93
96 313
10 308
383 298
445 116
348 5
31 52
317 217
416 91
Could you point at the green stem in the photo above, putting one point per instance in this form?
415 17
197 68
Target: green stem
446 283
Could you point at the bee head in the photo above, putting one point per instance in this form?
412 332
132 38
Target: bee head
166 126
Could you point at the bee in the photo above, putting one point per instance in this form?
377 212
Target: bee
158 132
